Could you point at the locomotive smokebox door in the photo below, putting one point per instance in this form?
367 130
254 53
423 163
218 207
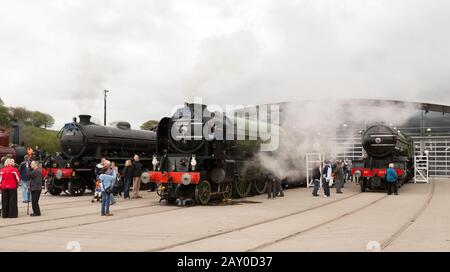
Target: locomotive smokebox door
218 175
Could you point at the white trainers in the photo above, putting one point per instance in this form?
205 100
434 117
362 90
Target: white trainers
325 196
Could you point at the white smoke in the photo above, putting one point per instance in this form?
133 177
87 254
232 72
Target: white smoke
314 126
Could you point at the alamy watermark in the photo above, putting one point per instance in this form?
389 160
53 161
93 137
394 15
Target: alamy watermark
73 246
196 121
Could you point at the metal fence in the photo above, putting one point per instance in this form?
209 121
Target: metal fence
438 149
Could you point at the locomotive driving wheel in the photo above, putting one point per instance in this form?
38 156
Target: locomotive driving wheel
160 190
260 186
228 191
49 184
77 188
203 192
242 187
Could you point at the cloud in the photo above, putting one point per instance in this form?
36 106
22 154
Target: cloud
58 56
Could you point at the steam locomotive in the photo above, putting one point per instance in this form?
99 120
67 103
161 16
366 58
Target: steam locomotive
83 144
199 158
383 145
18 152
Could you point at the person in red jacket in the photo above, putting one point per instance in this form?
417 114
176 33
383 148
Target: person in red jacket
9 178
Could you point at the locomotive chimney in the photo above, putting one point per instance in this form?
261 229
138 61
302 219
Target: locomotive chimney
85 119
16 135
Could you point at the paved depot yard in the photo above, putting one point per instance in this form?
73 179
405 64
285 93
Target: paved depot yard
416 220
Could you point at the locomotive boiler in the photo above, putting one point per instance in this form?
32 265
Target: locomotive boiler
82 146
199 157
383 145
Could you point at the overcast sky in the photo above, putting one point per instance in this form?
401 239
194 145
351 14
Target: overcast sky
57 56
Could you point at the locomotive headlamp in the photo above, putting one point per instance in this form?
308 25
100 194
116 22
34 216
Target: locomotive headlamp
186 179
183 129
59 174
145 177
193 162
357 174
155 162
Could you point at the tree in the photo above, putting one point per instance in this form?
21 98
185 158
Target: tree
20 114
49 121
4 114
149 125
39 119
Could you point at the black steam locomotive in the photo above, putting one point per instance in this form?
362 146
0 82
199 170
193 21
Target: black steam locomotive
383 145
200 158
84 143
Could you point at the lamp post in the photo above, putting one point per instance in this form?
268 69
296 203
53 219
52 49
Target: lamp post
105 92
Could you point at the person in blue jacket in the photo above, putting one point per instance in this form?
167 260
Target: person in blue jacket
391 180
107 181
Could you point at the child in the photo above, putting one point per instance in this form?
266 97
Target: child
98 192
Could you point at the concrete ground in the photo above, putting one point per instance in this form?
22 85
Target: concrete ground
416 220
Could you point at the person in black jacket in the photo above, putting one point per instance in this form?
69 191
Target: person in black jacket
316 179
35 187
271 185
127 179
137 169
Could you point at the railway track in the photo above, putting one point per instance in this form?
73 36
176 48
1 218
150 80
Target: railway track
65 205
385 244
84 224
411 220
251 225
292 235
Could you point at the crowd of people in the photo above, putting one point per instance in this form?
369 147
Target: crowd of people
336 173
111 183
28 175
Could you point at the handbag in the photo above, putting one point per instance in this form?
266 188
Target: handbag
108 190
330 183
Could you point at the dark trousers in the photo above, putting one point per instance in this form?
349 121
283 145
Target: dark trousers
271 188
316 187
326 188
339 183
126 187
9 203
279 188
392 186
35 195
